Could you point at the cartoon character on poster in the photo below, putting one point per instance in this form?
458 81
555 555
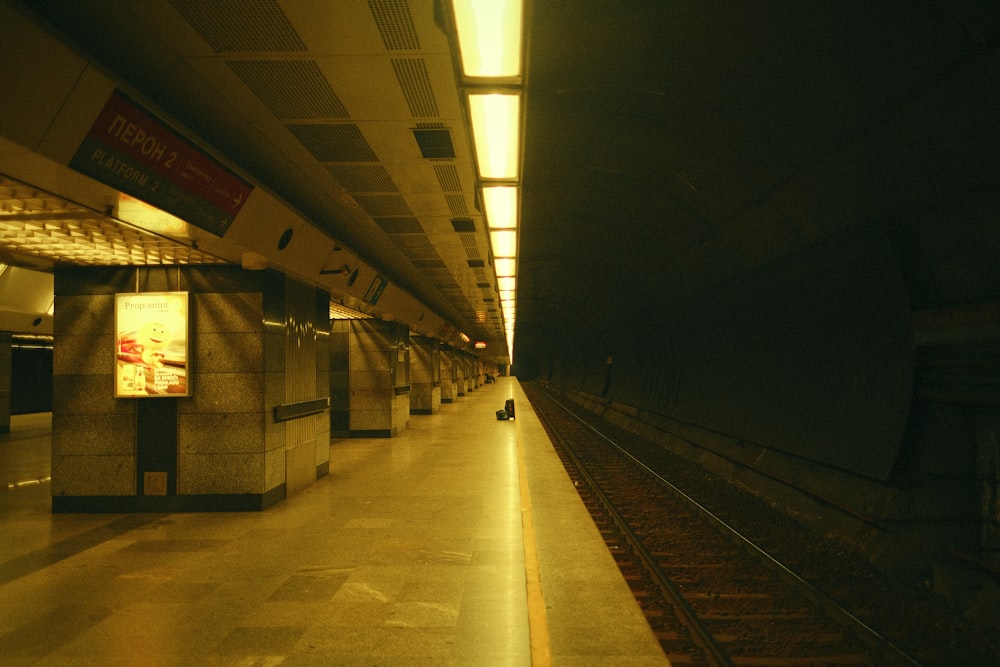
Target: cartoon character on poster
151 344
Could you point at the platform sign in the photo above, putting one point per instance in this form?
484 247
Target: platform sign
151 345
375 290
133 151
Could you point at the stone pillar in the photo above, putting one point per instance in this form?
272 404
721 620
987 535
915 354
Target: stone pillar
469 372
425 376
6 357
379 378
340 378
477 364
461 387
449 391
254 426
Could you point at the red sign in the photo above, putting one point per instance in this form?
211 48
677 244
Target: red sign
130 149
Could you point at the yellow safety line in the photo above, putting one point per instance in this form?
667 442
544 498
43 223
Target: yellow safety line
538 626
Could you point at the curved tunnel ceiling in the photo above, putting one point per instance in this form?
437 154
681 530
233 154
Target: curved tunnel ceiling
672 147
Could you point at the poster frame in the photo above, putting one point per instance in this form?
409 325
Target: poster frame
169 359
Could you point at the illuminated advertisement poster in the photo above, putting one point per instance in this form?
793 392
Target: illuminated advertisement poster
151 344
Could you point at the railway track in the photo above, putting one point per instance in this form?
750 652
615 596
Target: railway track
711 595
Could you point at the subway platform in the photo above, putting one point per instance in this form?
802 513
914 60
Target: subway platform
461 541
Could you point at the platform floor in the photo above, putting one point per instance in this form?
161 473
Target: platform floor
461 541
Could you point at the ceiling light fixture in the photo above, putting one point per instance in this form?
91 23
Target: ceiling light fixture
505 266
500 205
490 45
496 128
489 36
504 242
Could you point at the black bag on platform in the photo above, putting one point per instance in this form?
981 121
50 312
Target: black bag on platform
501 415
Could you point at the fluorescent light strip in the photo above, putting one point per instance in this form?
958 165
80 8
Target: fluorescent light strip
501 202
505 266
504 242
496 120
489 36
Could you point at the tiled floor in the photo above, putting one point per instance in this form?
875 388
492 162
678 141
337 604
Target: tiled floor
434 547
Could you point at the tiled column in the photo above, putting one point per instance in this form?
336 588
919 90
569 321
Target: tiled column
5 383
425 376
340 378
470 372
449 392
379 387
226 446
461 388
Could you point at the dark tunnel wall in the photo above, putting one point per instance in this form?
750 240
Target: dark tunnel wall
751 251
813 360
812 357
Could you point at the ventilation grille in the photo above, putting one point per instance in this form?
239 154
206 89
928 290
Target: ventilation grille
290 89
456 204
463 225
435 144
470 245
240 25
370 178
447 176
411 73
334 143
376 205
395 24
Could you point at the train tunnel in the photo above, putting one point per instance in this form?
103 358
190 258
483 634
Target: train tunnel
766 236
762 235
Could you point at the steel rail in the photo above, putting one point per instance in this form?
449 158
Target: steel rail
880 646
701 636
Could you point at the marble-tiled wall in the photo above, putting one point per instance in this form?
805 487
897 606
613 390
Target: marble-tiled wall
228 445
5 381
93 434
425 386
449 392
376 408
321 422
340 377
461 384
221 427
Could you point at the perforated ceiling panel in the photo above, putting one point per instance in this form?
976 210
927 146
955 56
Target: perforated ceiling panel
363 178
447 176
241 25
290 89
411 73
334 143
384 205
470 245
400 225
456 204
395 24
